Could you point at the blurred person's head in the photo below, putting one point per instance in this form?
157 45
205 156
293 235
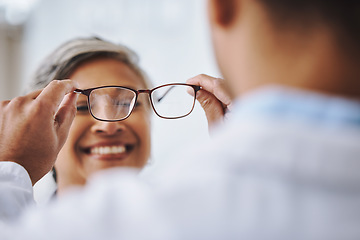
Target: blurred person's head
308 44
94 145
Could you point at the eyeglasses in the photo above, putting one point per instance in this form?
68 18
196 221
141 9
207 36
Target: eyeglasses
115 103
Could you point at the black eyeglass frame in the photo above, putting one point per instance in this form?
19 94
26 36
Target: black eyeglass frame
88 91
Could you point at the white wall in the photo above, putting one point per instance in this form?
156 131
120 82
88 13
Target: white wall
10 60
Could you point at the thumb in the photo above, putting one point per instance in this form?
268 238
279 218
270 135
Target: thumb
212 106
65 115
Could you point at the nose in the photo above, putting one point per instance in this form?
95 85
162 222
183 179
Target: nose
108 128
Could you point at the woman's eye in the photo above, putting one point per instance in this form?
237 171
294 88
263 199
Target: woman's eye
138 106
82 108
123 104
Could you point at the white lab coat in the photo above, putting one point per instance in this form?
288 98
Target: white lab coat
16 190
285 166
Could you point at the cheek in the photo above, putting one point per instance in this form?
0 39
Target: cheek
219 48
142 126
67 158
78 128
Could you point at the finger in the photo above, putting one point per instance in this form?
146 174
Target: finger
3 104
34 94
212 85
204 80
213 108
65 115
52 95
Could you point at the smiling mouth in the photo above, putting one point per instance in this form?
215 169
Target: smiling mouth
109 151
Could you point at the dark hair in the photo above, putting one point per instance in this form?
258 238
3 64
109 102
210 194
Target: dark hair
342 17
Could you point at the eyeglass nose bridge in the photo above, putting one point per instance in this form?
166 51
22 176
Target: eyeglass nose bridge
148 91
144 91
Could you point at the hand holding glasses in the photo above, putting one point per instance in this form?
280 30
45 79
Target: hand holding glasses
115 103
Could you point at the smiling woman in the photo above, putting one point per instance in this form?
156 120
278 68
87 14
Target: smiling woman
94 145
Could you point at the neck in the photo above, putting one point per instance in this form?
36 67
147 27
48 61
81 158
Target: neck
65 183
305 59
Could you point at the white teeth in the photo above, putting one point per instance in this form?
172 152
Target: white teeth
108 150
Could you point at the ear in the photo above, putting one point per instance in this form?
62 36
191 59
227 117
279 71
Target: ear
223 12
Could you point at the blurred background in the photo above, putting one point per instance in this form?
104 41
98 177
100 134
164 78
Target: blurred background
170 36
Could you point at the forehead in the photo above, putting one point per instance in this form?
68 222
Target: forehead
106 71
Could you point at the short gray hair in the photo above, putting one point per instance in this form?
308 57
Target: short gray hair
66 58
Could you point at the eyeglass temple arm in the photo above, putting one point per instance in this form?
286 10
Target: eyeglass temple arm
167 91
196 88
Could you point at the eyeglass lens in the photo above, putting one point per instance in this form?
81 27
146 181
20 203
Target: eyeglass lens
173 101
117 103
111 103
